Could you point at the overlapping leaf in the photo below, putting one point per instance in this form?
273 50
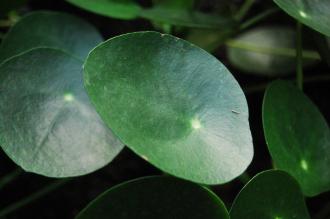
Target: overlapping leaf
156 197
173 104
271 194
47 124
52 30
267 51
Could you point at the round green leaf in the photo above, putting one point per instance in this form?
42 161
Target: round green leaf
272 194
267 51
122 9
48 125
156 197
50 29
298 136
313 13
173 104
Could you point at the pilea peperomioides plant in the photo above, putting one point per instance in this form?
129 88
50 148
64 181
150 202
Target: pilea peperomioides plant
70 102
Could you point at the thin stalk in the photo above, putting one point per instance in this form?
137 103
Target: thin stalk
299 57
244 9
261 87
257 18
10 177
44 191
290 52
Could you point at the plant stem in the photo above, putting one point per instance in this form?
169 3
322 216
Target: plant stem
44 191
10 177
244 178
244 9
308 54
257 18
260 87
300 75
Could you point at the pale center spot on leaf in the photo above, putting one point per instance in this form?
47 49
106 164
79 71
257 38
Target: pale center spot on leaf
276 217
304 164
303 14
68 97
196 124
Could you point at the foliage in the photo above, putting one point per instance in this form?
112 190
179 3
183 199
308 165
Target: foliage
70 102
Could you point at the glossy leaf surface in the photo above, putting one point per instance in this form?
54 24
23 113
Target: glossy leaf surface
271 194
267 51
48 125
156 197
313 13
173 104
53 30
122 9
298 137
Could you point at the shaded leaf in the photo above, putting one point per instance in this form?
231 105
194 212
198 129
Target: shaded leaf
122 9
186 18
298 137
267 51
173 104
156 197
272 194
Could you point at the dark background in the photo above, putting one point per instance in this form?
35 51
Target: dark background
69 199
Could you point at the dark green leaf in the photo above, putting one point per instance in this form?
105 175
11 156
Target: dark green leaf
179 4
48 125
313 13
156 197
267 51
53 30
298 136
180 17
122 9
272 194
173 104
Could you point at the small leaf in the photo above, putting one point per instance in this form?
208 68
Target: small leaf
50 29
271 194
267 51
48 125
313 13
122 9
297 136
173 104
156 197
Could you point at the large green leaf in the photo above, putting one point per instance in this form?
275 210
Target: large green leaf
272 194
50 29
267 51
298 136
173 104
48 125
156 197
122 9
313 13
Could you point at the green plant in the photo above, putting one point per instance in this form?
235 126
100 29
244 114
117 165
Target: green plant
70 102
